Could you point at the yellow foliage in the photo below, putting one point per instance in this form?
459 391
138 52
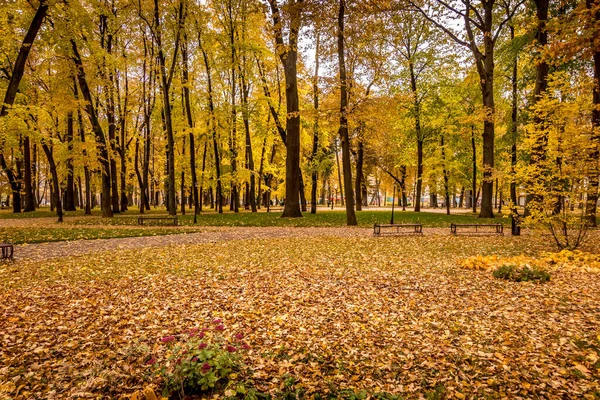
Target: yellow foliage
566 259
479 263
573 260
146 394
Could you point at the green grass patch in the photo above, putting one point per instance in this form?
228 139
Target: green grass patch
44 212
523 273
43 235
321 219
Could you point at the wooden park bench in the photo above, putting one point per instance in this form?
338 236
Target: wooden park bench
478 229
275 209
7 252
397 229
172 219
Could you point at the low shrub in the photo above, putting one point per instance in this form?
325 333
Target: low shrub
199 361
523 273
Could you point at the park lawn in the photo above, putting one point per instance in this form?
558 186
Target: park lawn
323 218
76 226
45 234
44 212
331 316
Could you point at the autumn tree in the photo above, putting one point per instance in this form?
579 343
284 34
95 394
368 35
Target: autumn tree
9 97
480 34
288 55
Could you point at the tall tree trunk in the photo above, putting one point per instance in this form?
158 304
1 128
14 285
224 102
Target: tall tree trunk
81 199
190 122
249 155
418 132
260 171
11 92
29 196
213 123
70 189
514 215
182 187
235 196
288 56
106 43
99 134
445 171
474 162
487 210
359 172
592 196
123 145
315 146
302 193
202 175
35 173
419 185
402 186
139 176
343 130
165 86
86 169
539 148
339 168
56 188
124 201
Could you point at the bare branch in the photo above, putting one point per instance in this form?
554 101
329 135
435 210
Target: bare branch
508 18
440 26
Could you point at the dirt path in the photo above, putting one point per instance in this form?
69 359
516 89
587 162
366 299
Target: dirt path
43 251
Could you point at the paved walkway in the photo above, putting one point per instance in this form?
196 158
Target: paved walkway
43 251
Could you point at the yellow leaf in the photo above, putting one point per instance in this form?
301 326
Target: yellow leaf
7 387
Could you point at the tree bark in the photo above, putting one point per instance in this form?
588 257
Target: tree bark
539 147
29 196
260 172
315 146
474 178
592 196
11 93
446 178
249 155
201 191
339 169
419 185
182 186
123 146
514 215
106 40
190 122
70 189
418 132
56 188
99 134
343 130
235 196
213 123
86 169
165 86
359 172
288 56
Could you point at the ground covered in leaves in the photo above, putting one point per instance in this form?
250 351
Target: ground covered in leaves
322 315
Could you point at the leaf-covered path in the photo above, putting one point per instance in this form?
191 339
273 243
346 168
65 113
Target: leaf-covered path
43 251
